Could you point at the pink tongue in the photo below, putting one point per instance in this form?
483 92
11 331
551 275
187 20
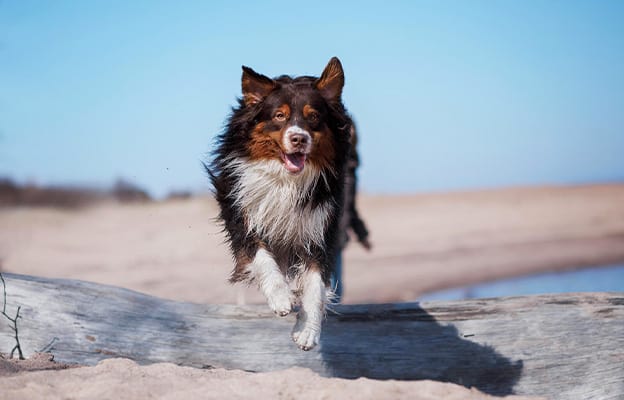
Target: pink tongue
294 162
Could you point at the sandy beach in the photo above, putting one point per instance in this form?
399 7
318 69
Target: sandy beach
421 243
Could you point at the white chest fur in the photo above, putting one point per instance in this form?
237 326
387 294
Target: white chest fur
276 203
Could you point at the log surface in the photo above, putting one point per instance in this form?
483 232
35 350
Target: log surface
568 346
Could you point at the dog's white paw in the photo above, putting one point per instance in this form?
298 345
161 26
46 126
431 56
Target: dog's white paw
306 337
280 301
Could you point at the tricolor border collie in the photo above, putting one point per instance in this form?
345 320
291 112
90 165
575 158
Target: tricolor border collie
278 173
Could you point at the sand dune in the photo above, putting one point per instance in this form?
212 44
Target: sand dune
421 243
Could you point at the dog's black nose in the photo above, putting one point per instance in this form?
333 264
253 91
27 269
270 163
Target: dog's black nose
298 139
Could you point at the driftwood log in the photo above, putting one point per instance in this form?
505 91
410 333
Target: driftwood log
561 346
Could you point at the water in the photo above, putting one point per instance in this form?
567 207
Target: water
600 279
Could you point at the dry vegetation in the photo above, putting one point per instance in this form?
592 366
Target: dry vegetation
67 197
13 322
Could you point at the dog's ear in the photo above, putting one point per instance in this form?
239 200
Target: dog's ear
255 86
331 81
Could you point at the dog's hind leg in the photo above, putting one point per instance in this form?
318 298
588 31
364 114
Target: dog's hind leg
264 270
307 330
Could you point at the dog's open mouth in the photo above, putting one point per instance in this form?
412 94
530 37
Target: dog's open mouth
294 162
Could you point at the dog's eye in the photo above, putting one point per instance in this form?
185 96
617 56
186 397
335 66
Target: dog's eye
313 117
280 116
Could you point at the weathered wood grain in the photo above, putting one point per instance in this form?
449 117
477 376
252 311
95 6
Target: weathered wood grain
562 346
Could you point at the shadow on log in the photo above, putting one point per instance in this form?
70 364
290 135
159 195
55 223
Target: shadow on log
562 346
406 342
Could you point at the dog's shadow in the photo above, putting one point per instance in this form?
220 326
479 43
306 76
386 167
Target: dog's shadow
404 342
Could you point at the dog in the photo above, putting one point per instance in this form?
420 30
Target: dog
278 174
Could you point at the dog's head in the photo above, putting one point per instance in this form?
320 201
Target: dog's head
294 117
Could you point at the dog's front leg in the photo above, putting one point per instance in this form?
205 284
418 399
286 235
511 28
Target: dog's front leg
307 330
264 270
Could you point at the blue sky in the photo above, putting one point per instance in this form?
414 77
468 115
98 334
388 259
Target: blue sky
448 95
